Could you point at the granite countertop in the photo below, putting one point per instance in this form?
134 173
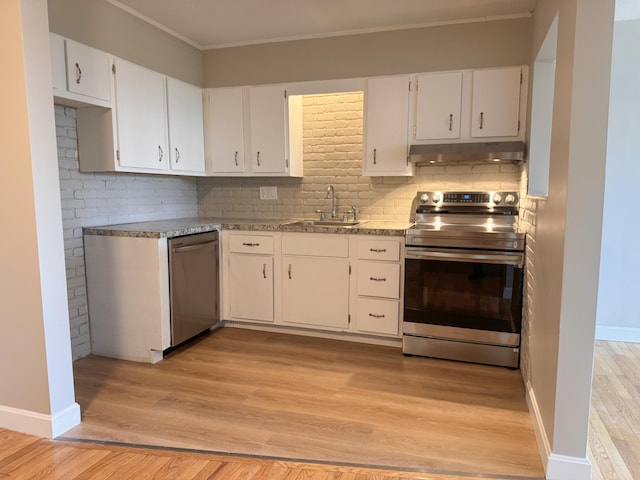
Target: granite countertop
188 226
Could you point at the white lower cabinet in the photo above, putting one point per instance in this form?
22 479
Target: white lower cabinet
315 280
315 291
378 285
248 280
334 283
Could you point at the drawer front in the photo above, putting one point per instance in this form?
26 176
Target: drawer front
379 279
379 250
316 246
378 316
239 243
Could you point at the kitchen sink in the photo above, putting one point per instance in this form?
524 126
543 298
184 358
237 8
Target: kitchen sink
323 223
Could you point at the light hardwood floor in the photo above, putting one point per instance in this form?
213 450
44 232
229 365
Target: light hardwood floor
614 435
291 397
25 457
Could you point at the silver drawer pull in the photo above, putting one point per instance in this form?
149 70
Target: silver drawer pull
376 315
378 250
250 244
378 279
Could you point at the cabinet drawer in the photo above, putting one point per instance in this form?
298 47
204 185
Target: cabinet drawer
379 250
378 316
251 244
317 246
379 279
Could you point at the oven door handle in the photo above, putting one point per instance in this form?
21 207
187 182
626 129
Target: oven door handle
502 258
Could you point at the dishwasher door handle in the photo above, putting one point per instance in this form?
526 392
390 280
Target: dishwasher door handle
190 248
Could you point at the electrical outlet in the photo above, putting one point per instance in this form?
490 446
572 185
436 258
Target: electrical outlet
268 193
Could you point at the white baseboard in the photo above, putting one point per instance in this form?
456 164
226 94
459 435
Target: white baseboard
557 467
618 334
40 424
562 467
544 447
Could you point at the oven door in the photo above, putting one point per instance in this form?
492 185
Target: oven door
469 295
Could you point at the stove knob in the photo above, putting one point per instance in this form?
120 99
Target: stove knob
497 198
424 198
510 199
436 197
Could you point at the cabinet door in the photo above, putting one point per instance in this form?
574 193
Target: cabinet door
142 117
386 128
88 71
438 106
315 291
495 108
186 136
268 133
250 289
224 131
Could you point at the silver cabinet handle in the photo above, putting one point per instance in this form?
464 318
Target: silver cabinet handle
374 156
177 155
376 315
378 250
78 73
450 121
160 153
264 270
250 244
235 158
481 120
289 271
258 158
377 279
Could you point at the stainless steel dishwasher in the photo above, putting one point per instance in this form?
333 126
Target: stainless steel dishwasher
193 285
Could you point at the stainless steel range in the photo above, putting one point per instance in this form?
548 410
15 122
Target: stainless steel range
463 278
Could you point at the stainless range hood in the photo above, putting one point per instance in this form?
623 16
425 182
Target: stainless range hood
443 153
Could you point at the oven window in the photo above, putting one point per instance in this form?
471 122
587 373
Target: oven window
463 294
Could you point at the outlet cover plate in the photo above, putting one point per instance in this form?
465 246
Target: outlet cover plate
268 193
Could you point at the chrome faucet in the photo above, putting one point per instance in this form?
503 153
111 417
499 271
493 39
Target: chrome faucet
331 193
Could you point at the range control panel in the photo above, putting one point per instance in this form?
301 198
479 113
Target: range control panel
476 199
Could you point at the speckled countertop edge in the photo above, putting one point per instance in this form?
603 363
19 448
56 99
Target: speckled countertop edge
188 226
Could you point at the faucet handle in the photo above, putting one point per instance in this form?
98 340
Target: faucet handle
321 213
355 213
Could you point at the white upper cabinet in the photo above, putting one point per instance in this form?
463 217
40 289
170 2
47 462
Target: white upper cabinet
469 106
88 71
268 126
186 135
80 73
141 111
386 126
495 110
439 105
224 130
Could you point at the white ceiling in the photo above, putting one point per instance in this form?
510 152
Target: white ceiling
221 23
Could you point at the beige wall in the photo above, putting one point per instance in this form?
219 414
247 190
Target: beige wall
471 45
111 29
332 155
568 226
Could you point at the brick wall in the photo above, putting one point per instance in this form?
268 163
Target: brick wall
332 147
528 208
96 199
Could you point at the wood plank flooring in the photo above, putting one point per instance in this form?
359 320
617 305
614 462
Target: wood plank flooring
265 394
614 432
27 457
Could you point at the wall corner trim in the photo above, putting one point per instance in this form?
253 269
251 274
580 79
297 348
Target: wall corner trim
40 424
